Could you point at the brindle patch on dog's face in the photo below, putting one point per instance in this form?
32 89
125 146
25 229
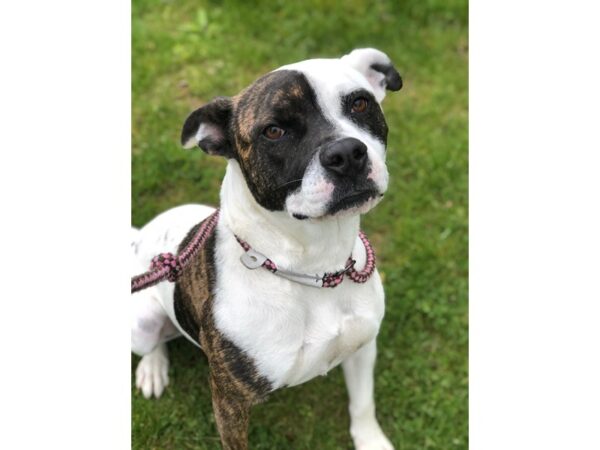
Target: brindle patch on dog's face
277 170
275 167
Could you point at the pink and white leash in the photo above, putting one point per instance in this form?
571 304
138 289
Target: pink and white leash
166 266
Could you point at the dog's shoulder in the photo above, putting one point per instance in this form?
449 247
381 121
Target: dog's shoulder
193 305
193 290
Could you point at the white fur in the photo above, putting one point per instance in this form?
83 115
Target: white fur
152 372
204 130
361 60
314 194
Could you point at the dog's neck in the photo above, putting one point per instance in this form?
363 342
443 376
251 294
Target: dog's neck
309 246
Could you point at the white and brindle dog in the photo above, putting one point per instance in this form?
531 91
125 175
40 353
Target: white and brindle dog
306 147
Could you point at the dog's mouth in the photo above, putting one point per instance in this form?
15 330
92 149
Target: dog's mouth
356 203
354 200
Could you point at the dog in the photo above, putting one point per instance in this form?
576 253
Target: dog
306 150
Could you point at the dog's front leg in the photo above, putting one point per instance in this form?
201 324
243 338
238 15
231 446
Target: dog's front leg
232 414
358 373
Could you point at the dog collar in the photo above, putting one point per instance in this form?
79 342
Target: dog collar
253 260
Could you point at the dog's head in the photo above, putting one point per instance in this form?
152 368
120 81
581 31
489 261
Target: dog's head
309 137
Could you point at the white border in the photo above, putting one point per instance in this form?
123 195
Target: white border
64 179
534 225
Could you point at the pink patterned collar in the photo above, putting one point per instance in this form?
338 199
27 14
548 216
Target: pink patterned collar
253 260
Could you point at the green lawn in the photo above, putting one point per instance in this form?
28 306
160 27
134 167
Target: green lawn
186 52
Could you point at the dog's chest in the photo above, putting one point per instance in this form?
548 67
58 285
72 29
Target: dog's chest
293 332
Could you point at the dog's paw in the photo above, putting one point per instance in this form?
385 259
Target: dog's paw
151 375
368 436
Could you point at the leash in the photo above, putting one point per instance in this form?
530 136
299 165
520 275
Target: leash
166 266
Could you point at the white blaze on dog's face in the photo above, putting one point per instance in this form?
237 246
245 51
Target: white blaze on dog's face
350 176
309 137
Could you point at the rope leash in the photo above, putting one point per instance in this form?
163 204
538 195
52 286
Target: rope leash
166 266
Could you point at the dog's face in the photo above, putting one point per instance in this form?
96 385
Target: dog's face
309 137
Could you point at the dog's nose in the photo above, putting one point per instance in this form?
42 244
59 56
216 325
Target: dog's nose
346 157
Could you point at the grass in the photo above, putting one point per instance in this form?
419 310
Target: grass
187 52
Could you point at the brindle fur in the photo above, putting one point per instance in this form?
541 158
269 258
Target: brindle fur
284 98
234 381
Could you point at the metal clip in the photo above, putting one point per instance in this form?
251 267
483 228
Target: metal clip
307 280
252 259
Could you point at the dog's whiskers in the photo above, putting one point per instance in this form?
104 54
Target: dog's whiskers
288 182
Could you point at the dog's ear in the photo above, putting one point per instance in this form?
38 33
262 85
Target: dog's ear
377 68
207 128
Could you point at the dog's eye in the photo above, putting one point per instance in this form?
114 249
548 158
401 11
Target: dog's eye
273 132
360 105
